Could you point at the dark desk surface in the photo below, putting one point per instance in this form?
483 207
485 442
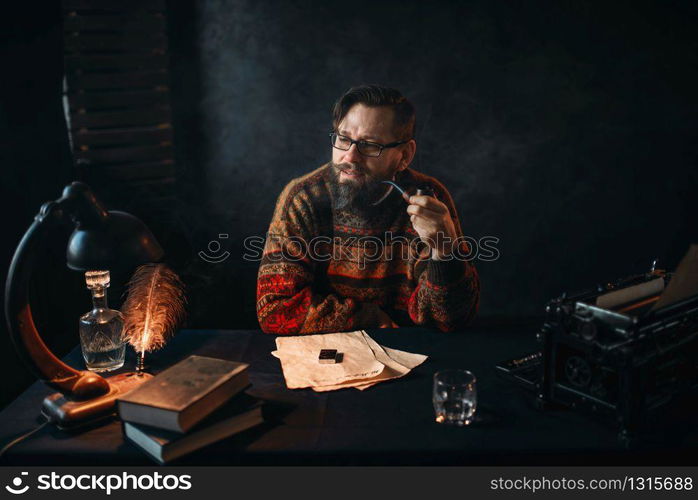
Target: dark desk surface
391 423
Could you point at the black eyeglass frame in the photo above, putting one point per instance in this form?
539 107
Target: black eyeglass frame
333 135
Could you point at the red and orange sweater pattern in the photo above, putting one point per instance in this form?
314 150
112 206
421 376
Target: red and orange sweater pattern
326 270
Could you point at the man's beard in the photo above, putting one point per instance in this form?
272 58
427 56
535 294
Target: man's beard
356 195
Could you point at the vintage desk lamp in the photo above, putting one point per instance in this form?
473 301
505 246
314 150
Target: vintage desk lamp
101 240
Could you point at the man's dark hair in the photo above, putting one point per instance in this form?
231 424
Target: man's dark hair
374 96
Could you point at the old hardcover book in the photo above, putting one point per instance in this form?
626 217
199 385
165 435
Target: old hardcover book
241 413
184 394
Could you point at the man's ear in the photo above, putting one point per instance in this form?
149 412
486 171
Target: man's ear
407 154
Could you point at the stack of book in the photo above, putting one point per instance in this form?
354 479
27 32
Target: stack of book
194 403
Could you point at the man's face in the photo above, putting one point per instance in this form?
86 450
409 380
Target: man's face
356 178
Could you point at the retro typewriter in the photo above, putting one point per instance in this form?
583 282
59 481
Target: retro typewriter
623 350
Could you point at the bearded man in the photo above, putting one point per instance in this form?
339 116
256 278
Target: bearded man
345 250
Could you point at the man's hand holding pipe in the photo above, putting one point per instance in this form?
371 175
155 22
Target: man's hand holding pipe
433 223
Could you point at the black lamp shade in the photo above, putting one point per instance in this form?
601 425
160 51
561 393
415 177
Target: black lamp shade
119 242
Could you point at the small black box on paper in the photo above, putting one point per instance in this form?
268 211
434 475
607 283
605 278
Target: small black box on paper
328 356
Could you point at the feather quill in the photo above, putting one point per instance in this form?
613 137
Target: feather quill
154 307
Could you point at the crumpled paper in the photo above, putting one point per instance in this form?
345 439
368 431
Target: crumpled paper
365 362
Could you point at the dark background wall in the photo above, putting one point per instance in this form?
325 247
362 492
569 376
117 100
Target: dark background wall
565 129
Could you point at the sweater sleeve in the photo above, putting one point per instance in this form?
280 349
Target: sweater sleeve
447 294
287 299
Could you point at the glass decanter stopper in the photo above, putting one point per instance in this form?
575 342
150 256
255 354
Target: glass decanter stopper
101 328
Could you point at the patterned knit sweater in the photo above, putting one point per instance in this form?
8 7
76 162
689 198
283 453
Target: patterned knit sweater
326 270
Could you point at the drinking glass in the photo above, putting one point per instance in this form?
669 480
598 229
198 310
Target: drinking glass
454 397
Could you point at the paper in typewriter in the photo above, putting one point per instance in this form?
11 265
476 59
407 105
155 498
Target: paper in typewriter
684 283
364 363
631 293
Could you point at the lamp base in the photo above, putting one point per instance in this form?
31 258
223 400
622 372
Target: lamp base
68 413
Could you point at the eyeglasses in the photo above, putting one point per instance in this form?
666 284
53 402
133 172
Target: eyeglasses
365 148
